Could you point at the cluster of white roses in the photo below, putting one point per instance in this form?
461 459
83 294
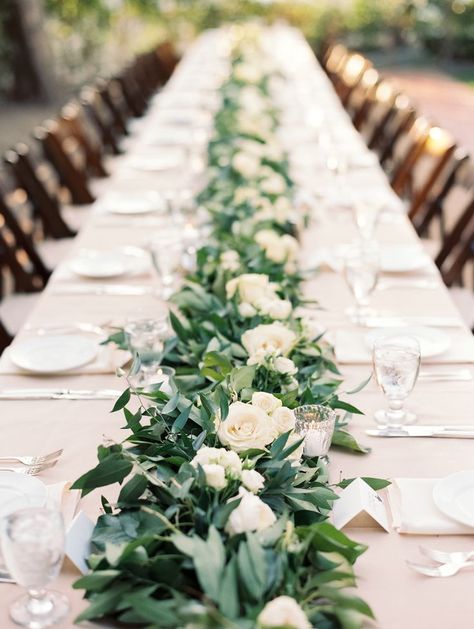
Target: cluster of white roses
257 424
283 611
278 248
221 465
257 295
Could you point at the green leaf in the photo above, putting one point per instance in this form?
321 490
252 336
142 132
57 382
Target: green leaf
375 483
242 377
344 439
133 489
122 401
180 422
104 602
113 469
96 581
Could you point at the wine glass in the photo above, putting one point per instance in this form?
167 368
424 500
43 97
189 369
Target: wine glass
166 251
396 362
366 215
146 338
33 548
361 271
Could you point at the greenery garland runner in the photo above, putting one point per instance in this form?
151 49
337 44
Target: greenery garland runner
219 521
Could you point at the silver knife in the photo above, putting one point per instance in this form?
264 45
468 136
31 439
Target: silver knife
103 289
444 432
59 394
395 321
462 375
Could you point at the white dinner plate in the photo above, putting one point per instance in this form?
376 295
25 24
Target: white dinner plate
94 264
52 354
402 259
172 158
129 203
454 496
18 491
432 342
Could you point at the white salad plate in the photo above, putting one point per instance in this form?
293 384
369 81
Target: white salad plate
131 203
18 491
454 496
402 259
172 158
93 264
50 354
432 342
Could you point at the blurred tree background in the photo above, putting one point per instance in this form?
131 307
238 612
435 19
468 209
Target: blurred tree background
50 47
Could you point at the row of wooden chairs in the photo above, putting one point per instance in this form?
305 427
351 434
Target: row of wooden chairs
425 165
45 186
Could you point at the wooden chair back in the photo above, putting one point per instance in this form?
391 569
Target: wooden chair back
39 180
101 117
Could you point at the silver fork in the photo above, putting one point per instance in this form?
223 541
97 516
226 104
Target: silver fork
443 557
445 570
32 460
29 470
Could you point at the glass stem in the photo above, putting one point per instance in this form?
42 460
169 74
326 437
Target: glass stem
396 412
39 603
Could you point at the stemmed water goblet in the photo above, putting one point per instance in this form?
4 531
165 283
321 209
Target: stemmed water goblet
366 215
315 423
361 271
396 362
33 549
146 339
166 249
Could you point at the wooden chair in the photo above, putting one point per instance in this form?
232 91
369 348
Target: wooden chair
112 94
5 337
361 99
349 76
399 119
102 119
67 156
379 106
134 97
39 181
334 60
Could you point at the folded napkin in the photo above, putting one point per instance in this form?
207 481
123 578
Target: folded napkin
107 360
414 511
351 348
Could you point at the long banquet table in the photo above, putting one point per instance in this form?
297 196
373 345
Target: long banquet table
398 596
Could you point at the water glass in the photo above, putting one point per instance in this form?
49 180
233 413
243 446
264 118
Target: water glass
146 338
33 547
361 271
366 215
166 253
396 362
316 424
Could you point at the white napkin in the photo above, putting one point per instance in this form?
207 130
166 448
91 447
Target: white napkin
414 511
107 360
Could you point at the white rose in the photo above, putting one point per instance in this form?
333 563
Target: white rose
266 401
252 514
283 419
272 243
250 286
245 194
215 475
245 427
246 310
231 461
291 246
246 164
230 260
283 611
247 73
274 184
285 365
206 455
273 338
279 309
252 480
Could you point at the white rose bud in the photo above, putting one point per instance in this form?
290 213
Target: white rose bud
252 480
246 310
265 401
285 365
283 419
279 309
252 514
231 461
246 164
283 611
215 475
230 260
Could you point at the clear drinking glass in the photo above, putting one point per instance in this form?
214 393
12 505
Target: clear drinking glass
316 424
361 271
146 338
366 215
396 362
33 548
166 251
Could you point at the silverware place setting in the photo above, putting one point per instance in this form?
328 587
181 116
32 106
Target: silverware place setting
59 394
29 465
450 563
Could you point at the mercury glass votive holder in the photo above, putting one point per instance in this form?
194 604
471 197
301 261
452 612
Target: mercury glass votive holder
316 424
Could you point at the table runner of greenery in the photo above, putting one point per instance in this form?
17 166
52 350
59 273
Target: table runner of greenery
220 521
